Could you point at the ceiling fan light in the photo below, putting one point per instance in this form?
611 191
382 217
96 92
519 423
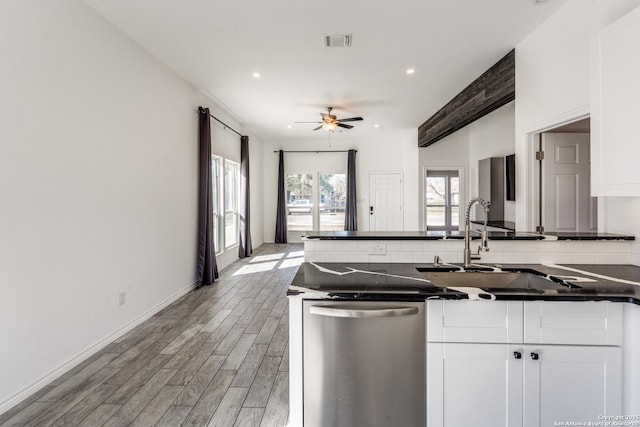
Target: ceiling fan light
329 126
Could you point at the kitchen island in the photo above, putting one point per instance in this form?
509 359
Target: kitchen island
572 342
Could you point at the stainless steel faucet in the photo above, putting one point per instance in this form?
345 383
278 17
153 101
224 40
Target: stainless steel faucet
484 242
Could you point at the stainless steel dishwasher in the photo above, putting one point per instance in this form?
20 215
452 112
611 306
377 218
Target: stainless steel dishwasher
364 363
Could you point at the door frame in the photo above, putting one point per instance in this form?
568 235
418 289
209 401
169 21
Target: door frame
463 185
369 194
532 185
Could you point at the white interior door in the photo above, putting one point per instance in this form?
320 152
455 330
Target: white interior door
567 202
385 201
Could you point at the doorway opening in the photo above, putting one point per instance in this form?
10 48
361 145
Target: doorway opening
442 200
562 199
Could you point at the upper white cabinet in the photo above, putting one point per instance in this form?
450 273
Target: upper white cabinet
615 93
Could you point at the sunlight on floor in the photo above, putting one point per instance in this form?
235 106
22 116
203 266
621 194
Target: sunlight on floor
256 268
263 263
263 258
295 254
294 262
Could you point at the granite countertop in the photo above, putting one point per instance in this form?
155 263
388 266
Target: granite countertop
575 282
507 225
444 235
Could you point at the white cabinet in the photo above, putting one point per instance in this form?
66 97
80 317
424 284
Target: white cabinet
474 321
524 373
474 385
579 323
615 91
630 360
571 383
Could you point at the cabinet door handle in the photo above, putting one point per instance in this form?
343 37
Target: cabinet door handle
517 355
370 210
535 356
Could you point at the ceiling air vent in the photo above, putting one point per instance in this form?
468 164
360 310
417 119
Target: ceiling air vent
338 40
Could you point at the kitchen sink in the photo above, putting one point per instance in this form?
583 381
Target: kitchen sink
496 280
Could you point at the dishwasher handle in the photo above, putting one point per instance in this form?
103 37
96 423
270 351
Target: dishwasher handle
333 311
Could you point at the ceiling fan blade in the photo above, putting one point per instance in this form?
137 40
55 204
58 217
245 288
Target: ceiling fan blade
344 126
319 127
351 119
307 122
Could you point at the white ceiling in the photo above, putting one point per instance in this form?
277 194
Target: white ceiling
217 46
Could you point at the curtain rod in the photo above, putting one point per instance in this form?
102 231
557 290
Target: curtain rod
314 151
200 109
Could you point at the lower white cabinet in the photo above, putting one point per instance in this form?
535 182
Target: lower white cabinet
474 385
522 383
571 383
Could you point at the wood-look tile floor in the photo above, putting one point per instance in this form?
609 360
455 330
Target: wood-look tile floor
216 357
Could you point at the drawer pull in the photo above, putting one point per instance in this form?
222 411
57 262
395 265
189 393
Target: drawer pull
535 356
517 355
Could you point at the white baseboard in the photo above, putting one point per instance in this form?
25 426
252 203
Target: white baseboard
74 361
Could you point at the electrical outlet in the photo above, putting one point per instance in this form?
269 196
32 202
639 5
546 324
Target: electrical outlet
378 249
121 298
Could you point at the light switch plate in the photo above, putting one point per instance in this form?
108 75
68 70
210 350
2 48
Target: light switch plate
378 249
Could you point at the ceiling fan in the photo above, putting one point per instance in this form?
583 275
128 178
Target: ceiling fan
330 122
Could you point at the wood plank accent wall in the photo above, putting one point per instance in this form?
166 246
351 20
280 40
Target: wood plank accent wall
494 88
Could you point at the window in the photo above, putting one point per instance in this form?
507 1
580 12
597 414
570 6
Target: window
231 189
224 198
300 202
216 190
333 197
442 200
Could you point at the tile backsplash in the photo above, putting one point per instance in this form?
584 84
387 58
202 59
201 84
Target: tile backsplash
501 251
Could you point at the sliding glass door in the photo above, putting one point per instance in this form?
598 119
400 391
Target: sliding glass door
333 198
316 201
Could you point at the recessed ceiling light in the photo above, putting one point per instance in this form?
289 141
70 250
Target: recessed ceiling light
410 71
376 125
256 75
289 126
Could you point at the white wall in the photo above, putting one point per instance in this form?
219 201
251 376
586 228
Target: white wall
98 177
623 217
553 84
489 136
450 153
383 151
256 173
493 136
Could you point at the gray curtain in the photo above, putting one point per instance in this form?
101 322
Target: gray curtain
207 266
281 212
351 210
245 203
